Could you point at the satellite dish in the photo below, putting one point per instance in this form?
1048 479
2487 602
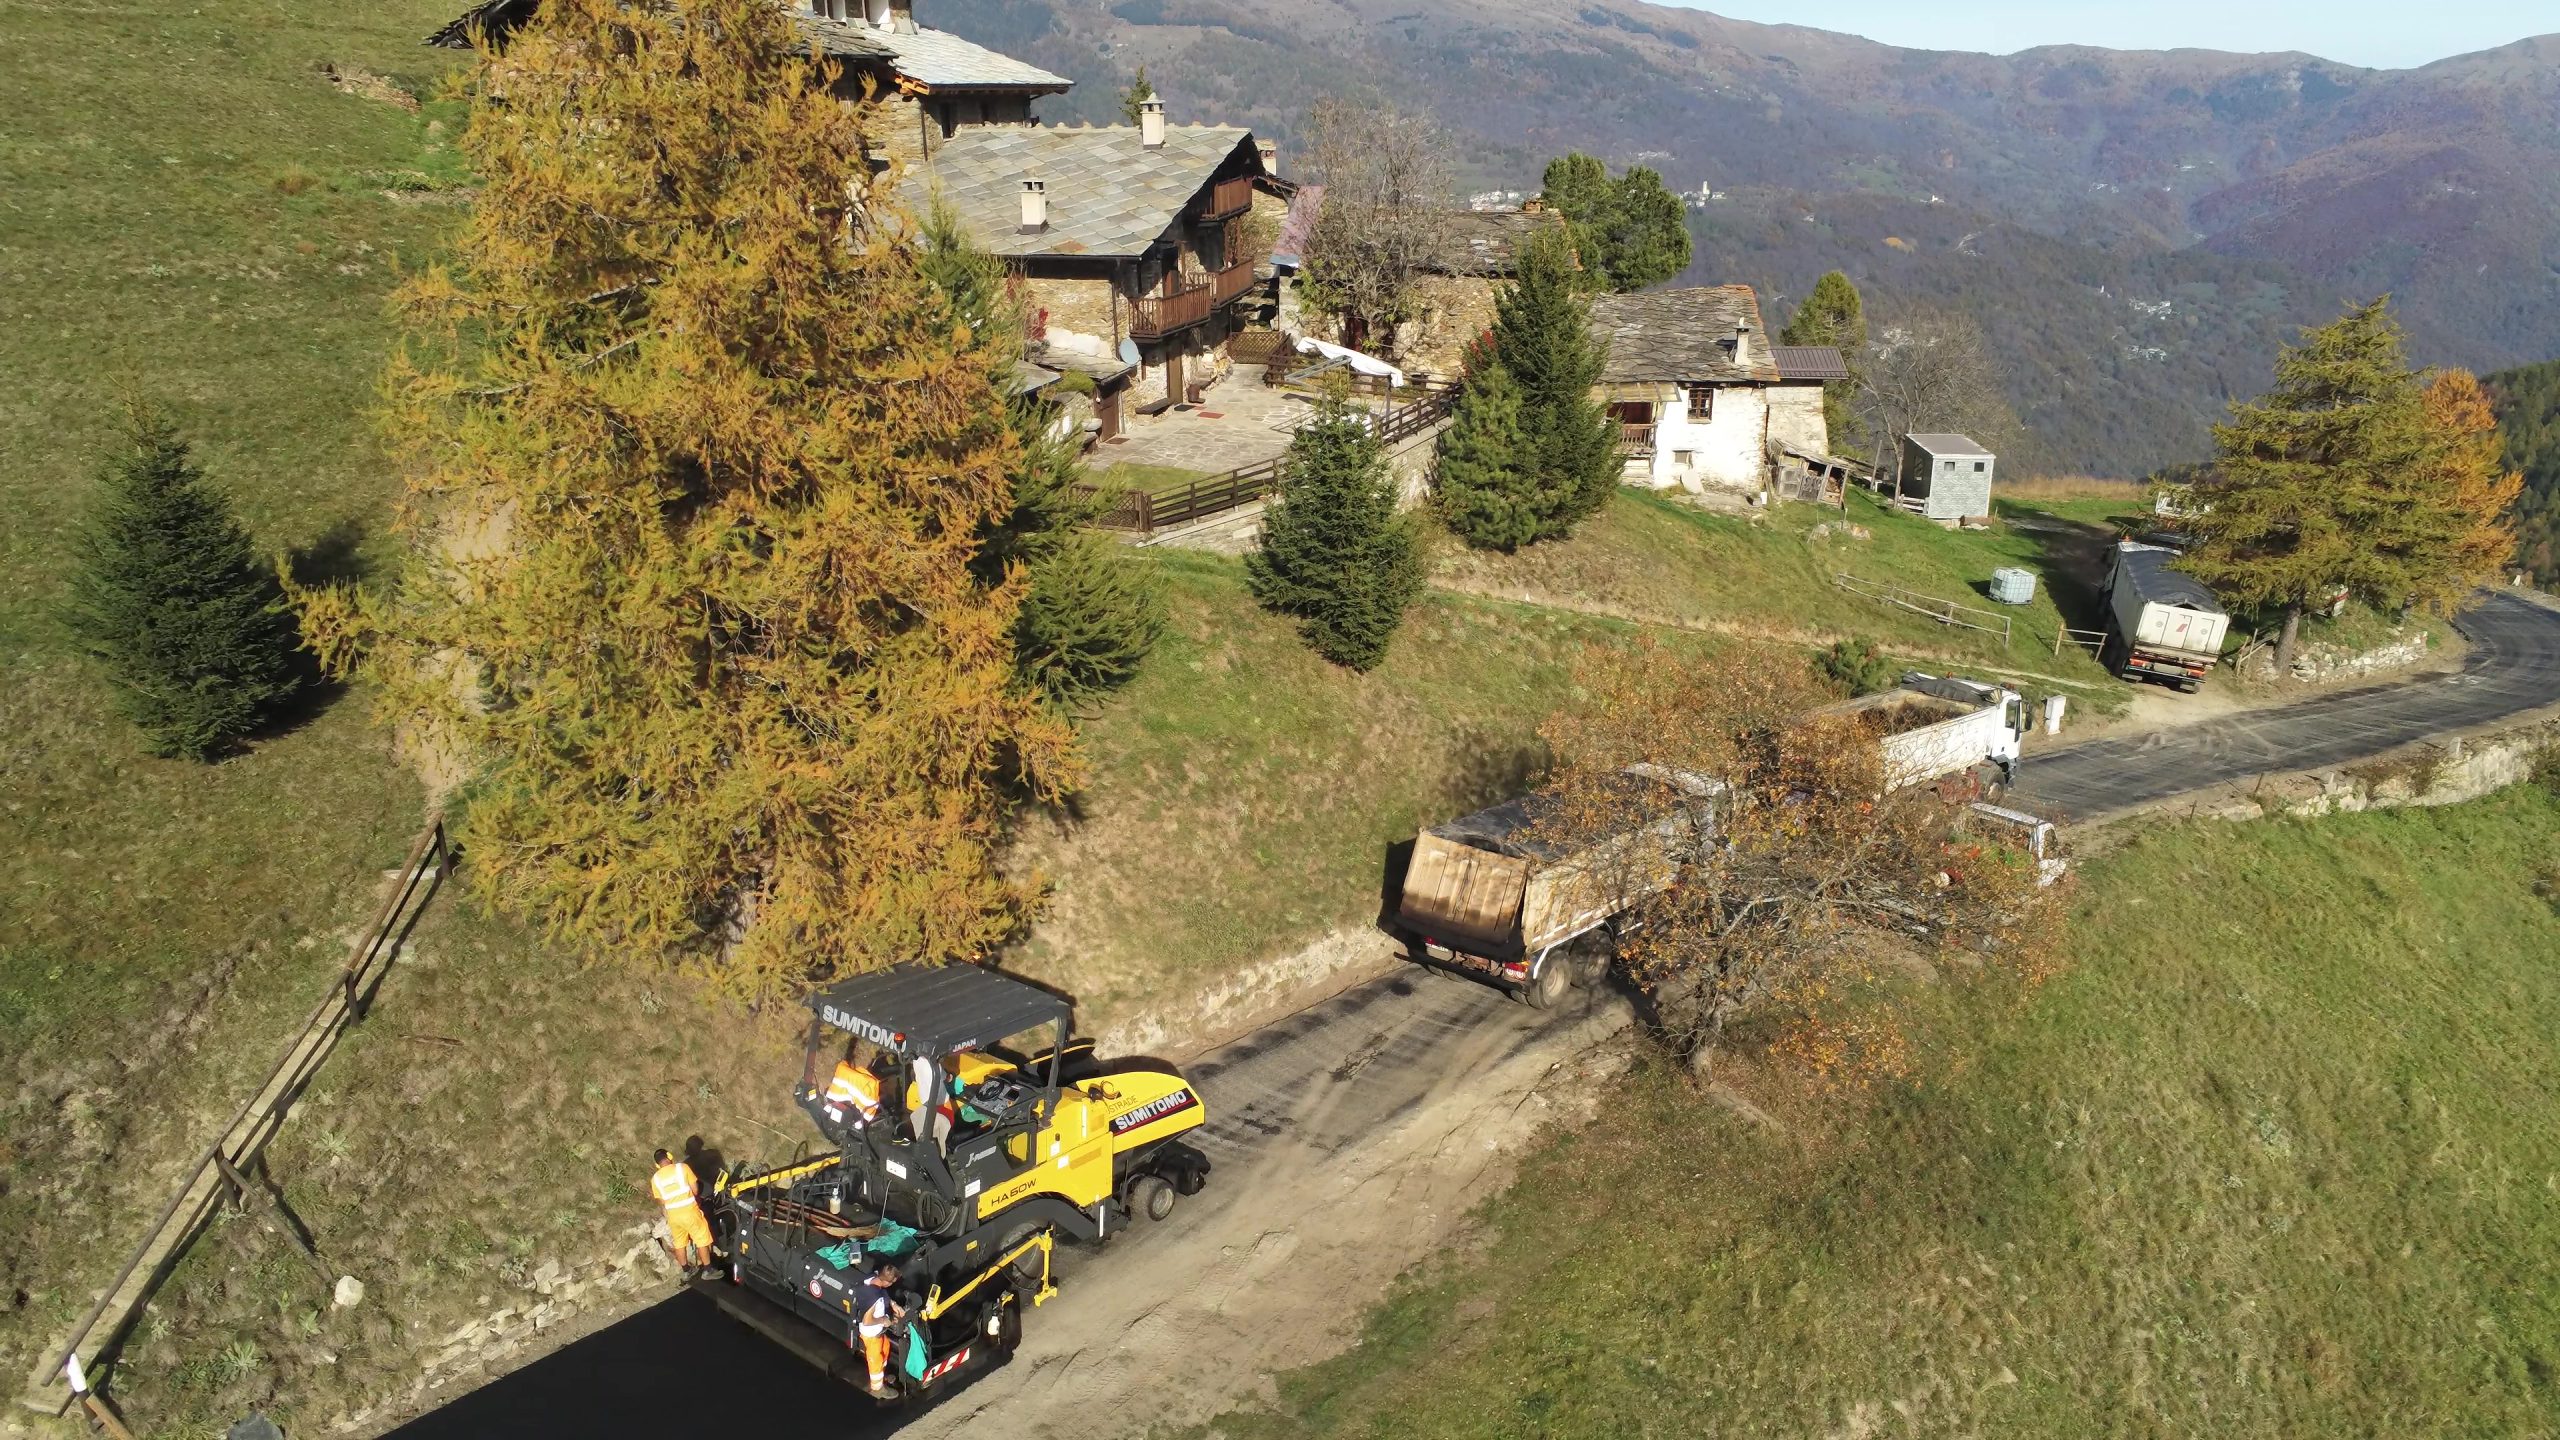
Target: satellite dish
1128 352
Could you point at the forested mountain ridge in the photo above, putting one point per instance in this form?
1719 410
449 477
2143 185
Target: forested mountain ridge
2528 405
2258 192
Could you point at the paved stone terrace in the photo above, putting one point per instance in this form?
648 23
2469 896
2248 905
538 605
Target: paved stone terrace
1240 422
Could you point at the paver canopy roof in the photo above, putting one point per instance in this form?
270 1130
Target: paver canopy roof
1109 195
936 1009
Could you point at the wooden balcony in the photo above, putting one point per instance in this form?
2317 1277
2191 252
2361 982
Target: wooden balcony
1153 317
1638 439
1232 281
1229 197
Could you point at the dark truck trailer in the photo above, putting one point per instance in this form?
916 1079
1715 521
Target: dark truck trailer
2161 624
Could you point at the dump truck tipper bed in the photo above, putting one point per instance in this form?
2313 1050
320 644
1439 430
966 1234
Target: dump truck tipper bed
1496 893
1934 726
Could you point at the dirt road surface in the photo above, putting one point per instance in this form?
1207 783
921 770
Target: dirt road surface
1348 1143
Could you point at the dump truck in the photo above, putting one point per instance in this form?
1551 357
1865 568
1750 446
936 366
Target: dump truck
1012 1136
1499 894
2161 624
1964 734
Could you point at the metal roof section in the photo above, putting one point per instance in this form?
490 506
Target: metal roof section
936 1009
1686 334
1946 446
1110 196
2147 567
1809 362
1298 227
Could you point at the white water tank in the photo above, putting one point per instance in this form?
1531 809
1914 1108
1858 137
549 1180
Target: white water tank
2013 586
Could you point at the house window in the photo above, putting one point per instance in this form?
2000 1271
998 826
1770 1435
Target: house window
1979 467
1684 457
1702 402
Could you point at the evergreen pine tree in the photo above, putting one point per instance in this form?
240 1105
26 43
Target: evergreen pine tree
1629 232
170 597
1335 555
1834 315
1646 238
703 461
2317 482
1542 336
1092 610
1487 494
1133 100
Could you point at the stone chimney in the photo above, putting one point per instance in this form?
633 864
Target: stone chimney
1742 344
1151 124
1269 150
1035 205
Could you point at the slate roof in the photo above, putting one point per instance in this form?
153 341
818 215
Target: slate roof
936 59
933 59
1096 368
1686 334
1809 362
1947 444
1488 242
1109 195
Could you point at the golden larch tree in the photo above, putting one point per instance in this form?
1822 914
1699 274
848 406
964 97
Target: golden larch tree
2471 469
699 462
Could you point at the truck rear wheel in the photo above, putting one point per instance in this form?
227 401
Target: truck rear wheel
1546 988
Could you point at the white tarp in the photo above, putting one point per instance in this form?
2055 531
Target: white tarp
1365 364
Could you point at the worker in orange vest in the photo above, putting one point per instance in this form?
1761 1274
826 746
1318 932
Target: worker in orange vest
688 1233
848 1104
879 1311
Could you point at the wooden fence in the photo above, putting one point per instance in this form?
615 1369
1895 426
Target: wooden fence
231 1171
1142 513
2092 641
1945 612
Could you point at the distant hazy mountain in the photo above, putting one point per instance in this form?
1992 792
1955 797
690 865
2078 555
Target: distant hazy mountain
2137 228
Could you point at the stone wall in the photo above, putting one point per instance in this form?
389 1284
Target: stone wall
1450 312
1795 418
1081 313
2320 664
2445 771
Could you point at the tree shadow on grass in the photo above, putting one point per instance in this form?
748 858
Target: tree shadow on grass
2071 558
334 557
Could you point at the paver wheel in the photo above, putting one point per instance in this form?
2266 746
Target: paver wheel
1151 1196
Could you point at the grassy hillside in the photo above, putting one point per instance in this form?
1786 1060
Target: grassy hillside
1772 575
2271 1160
196 214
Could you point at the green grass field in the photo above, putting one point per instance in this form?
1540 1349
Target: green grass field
1772 575
2274 1158
1246 792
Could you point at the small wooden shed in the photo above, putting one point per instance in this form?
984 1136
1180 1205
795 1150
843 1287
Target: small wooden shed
1946 477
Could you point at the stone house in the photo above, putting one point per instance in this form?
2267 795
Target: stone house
1703 401
1131 241
930 84
1479 251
